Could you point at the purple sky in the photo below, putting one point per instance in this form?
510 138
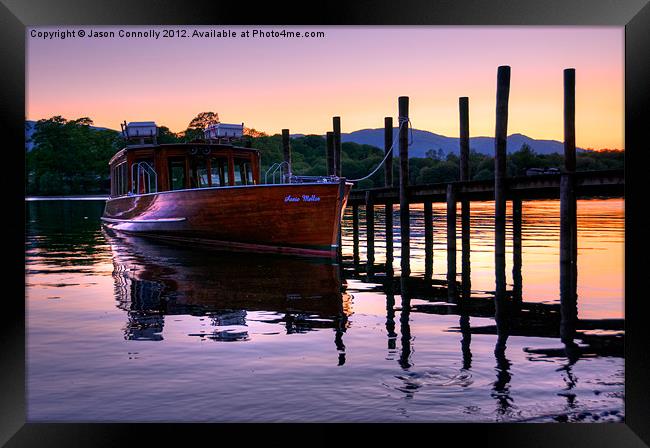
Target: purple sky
355 72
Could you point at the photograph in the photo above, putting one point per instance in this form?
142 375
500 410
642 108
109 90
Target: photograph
427 214
383 239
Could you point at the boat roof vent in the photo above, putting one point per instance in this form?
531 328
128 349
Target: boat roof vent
139 131
224 131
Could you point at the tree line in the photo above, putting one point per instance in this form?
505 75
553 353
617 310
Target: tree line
71 157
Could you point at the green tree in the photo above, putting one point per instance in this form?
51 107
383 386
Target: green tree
167 136
69 156
521 160
198 124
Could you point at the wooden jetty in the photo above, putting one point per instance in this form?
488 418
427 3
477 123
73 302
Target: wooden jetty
566 186
547 186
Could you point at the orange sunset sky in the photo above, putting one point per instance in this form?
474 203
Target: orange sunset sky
354 72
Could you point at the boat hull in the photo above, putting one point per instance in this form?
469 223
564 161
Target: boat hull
301 219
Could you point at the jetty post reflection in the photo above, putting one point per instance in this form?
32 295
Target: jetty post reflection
501 387
390 312
405 325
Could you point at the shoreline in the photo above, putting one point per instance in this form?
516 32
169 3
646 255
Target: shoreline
67 198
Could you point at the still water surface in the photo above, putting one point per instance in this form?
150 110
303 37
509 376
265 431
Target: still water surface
124 329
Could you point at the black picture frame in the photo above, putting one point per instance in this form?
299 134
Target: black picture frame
16 15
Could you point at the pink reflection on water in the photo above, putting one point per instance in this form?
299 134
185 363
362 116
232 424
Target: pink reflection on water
601 224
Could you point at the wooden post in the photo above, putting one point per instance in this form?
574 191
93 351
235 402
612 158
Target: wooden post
463 106
428 240
404 215
501 315
465 242
330 153
568 265
388 182
570 120
516 250
388 149
466 276
501 133
451 242
355 234
568 218
336 122
370 231
286 152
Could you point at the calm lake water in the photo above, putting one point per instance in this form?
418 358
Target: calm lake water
127 330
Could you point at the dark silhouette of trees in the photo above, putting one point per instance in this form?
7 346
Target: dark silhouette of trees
254 132
198 124
71 157
167 136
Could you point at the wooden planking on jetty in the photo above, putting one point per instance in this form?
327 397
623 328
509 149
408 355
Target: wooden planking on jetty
543 186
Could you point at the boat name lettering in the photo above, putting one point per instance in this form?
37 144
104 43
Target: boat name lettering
303 198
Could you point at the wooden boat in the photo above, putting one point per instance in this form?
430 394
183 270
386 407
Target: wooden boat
209 193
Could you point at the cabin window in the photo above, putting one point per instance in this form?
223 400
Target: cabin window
119 182
114 181
219 171
177 173
199 173
243 172
124 179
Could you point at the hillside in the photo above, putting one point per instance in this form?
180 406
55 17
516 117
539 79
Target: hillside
425 140
422 141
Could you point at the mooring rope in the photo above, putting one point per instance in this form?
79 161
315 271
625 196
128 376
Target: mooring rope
402 121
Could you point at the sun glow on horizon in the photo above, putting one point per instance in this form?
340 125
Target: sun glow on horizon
356 73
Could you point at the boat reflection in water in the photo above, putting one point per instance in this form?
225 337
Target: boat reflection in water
153 280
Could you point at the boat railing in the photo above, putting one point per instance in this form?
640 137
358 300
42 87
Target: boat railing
288 178
314 179
273 171
266 173
145 178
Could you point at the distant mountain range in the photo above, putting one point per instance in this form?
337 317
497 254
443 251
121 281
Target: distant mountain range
423 141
